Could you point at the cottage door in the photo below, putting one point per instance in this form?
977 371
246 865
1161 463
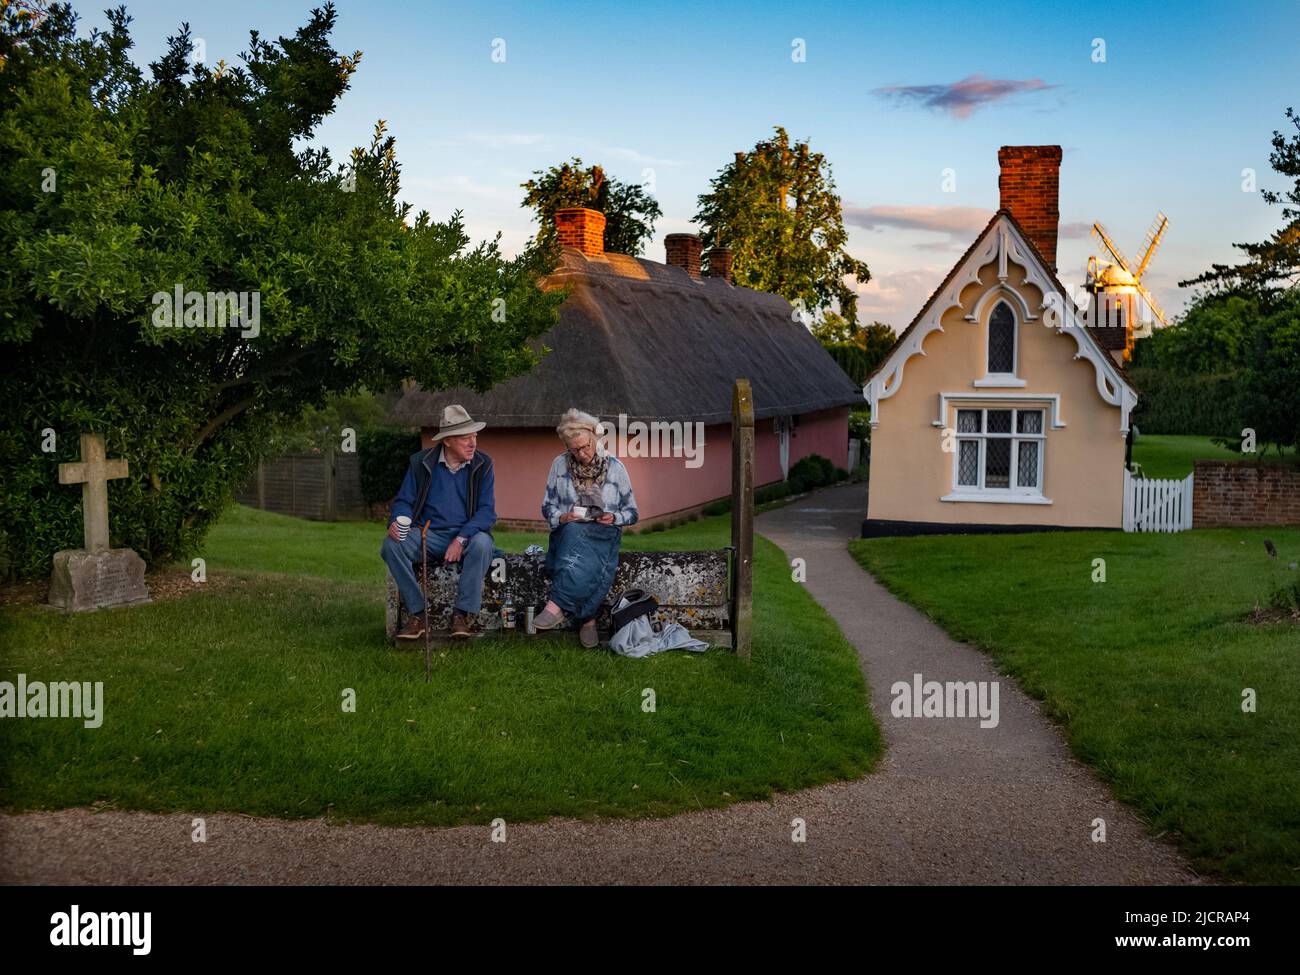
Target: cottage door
783 444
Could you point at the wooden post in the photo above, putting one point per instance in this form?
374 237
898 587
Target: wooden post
331 506
742 516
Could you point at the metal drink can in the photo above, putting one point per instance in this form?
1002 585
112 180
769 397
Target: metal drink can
529 628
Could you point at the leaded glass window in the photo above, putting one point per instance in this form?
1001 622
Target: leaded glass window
968 464
999 451
1002 340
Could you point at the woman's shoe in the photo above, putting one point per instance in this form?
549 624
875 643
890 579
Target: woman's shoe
549 621
587 634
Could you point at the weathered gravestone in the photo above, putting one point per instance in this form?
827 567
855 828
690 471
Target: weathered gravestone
95 576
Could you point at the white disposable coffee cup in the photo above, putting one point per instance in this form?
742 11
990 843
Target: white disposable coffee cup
403 526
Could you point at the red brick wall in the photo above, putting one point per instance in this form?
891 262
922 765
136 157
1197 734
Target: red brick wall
1226 494
581 228
1029 184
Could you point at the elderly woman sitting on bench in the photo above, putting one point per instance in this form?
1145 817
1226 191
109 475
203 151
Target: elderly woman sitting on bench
588 500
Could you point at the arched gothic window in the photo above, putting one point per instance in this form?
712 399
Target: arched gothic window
1002 340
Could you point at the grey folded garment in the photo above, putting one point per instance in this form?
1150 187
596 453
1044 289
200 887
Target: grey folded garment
637 637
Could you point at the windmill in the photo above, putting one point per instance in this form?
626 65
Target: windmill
1116 287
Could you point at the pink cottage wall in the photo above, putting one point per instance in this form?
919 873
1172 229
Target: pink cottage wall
663 485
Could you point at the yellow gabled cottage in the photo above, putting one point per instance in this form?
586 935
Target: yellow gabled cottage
998 409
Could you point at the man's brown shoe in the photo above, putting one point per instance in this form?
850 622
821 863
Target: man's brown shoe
413 628
460 624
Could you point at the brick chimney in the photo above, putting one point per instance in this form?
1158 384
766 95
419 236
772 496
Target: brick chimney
581 228
1030 184
683 251
720 263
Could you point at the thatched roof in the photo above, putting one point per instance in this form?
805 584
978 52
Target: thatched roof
646 339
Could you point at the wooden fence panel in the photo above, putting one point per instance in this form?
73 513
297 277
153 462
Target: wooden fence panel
305 486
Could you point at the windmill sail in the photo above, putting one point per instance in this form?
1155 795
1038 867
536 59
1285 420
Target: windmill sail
1109 244
1152 241
1156 310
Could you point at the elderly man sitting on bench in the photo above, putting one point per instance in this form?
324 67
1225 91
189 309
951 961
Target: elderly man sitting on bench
447 499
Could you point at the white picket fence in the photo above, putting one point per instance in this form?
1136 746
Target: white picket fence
1155 505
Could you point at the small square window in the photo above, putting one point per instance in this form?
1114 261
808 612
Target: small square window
999 421
1029 421
968 421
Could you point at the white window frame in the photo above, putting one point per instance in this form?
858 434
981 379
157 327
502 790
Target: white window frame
1014 493
1002 379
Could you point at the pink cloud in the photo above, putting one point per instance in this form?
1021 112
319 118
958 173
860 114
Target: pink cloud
961 98
895 297
958 222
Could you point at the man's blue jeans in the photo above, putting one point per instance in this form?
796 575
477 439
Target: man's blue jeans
405 559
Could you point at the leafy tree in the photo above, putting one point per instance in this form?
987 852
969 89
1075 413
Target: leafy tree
320 426
776 209
117 189
1244 325
630 212
858 349
1210 337
876 338
1269 398
1275 261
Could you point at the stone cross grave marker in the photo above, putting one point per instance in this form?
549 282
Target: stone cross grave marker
95 576
93 473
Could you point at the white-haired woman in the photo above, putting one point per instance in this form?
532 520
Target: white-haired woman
587 503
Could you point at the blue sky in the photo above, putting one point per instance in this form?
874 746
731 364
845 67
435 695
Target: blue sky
1181 105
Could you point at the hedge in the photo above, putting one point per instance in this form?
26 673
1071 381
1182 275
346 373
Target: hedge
810 472
383 454
1175 403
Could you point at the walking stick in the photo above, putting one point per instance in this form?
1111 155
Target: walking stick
424 545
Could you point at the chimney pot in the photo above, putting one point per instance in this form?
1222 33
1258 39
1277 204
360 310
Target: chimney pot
683 251
1029 185
581 228
720 263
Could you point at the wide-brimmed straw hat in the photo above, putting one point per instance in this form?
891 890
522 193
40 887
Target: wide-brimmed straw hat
455 422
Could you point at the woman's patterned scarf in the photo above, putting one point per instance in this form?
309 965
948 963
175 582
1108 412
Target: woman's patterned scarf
587 478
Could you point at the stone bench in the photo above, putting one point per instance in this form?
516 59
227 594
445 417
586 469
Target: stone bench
690 587
708 592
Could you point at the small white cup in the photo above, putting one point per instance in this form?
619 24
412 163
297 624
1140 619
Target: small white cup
403 527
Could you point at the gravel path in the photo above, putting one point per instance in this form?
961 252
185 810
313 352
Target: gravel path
950 803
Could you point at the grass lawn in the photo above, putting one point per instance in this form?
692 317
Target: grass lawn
1172 456
1145 671
230 700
